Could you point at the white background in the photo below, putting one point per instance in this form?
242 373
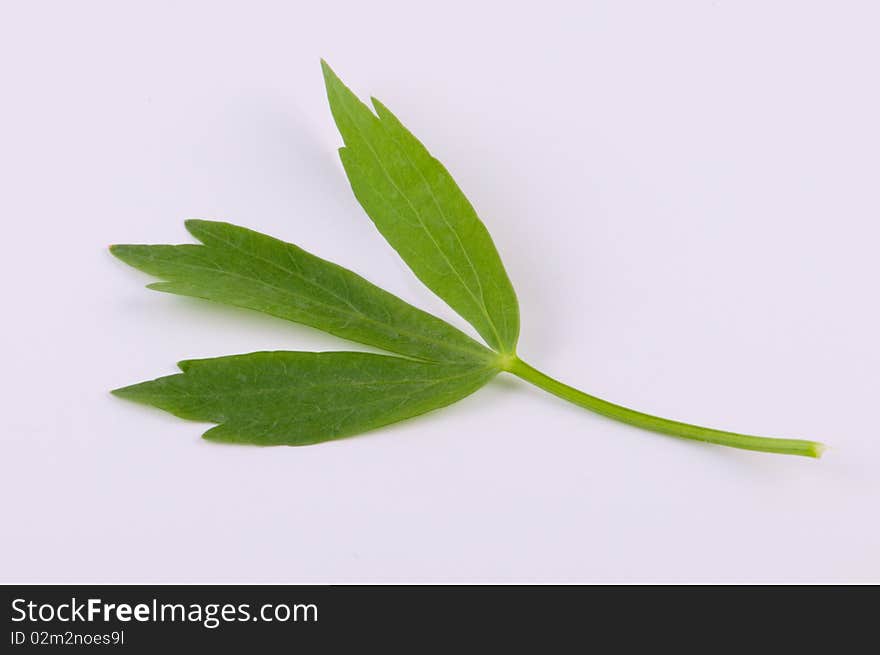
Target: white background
685 195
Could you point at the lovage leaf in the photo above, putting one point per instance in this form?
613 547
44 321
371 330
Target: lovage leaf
420 210
237 266
299 398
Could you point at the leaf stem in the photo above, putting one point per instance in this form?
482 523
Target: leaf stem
519 368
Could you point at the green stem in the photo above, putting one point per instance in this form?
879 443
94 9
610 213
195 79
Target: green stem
656 424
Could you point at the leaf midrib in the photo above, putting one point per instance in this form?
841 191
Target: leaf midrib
424 384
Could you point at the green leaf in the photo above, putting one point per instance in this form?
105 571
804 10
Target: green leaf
299 398
423 214
244 268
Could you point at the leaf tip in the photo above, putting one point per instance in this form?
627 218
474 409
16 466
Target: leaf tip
378 106
197 226
223 433
127 393
124 252
329 75
166 287
185 364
